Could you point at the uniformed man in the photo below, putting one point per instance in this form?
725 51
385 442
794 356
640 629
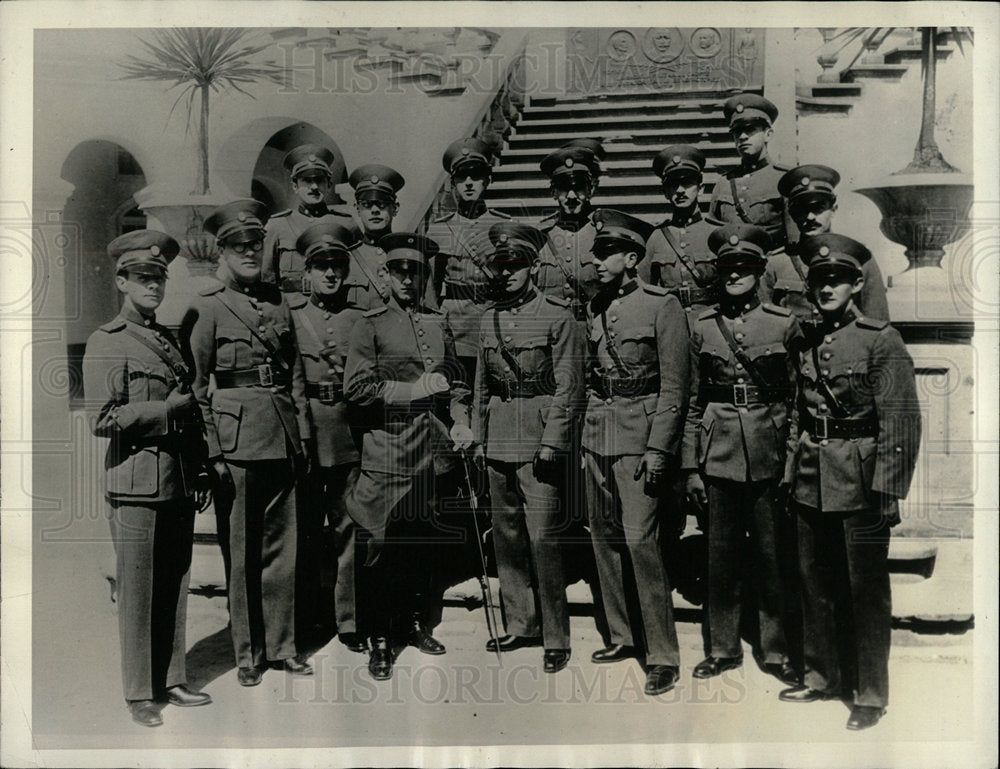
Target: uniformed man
529 389
749 193
566 266
459 284
309 168
375 187
677 251
810 195
403 377
735 441
323 325
858 432
138 395
239 331
637 392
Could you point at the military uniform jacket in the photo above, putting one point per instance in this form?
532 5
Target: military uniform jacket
457 272
366 285
870 373
784 284
757 194
283 265
645 329
150 458
256 422
685 262
322 331
534 402
745 442
565 263
389 349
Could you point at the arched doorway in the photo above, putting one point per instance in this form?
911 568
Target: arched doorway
102 206
270 183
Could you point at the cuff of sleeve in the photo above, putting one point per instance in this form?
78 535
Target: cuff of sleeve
394 393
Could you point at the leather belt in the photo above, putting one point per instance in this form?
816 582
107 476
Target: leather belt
828 427
689 296
744 394
508 389
263 375
325 392
476 292
634 387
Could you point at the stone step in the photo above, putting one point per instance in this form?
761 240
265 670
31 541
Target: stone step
704 107
806 105
824 90
639 167
873 72
618 152
622 124
693 134
647 207
637 97
611 184
915 52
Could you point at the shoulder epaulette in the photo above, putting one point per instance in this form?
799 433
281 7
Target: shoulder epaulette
431 311
212 288
711 313
296 301
499 214
778 167
872 323
444 218
649 288
776 310
374 311
113 325
558 301
337 212
279 214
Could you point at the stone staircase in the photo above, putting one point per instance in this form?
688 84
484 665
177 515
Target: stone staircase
633 128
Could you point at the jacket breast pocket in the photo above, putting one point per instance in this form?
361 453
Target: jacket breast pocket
638 346
233 345
228 416
532 356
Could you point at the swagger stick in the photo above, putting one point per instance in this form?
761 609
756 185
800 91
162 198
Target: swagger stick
484 581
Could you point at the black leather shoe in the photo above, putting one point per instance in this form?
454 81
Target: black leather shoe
354 642
864 717
613 653
424 641
661 679
784 672
380 660
145 713
508 643
298 667
554 660
714 666
804 693
183 697
249 676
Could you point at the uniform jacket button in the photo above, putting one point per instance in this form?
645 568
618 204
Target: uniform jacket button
824 442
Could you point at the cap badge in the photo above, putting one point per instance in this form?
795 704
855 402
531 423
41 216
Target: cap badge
740 107
676 158
734 240
154 250
599 225
313 158
824 251
503 237
805 181
241 216
465 150
373 179
569 162
409 240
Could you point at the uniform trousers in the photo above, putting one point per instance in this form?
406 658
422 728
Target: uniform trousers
736 509
625 525
846 602
262 544
528 516
153 559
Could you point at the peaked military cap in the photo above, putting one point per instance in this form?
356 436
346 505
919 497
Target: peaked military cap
470 151
747 107
571 160
594 145
516 243
408 246
740 243
148 251
832 251
326 241
241 221
809 182
678 160
618 228
309 157
374 181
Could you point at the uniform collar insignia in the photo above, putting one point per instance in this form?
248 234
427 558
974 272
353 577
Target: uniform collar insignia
134 316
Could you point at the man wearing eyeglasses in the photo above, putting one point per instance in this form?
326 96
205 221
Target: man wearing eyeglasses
375 187
238 331
309 168
749 193
459 284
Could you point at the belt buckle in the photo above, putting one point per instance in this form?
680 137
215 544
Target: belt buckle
327 394
264 375
684 294
822 428
740 395
505 390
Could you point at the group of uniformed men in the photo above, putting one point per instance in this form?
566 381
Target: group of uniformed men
739 365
